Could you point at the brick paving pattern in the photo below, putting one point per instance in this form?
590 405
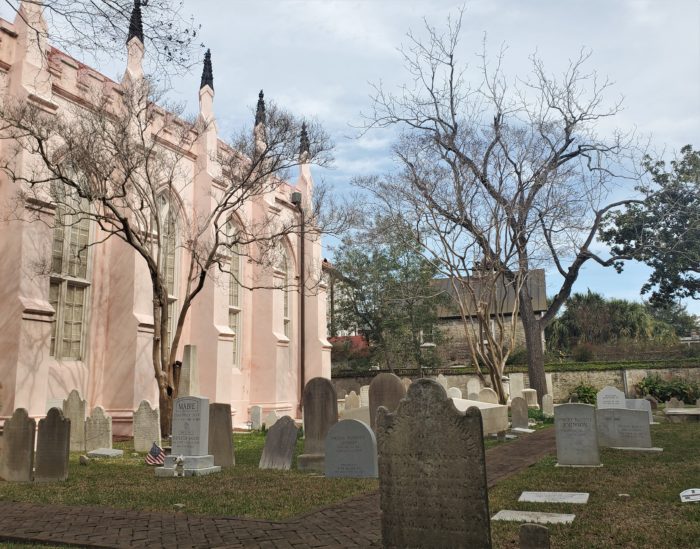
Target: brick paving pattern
352 523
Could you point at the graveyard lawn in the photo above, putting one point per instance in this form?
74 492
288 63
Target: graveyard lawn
243 490
650 515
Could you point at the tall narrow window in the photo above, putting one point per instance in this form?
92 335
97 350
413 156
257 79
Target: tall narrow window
69 271
234 297
168 251
283 267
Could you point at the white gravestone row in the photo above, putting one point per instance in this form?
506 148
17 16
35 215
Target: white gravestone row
17 457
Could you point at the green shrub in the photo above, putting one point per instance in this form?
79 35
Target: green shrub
538 415
663 390
583 353
517 356
585 393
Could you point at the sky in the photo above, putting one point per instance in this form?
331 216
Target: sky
318 58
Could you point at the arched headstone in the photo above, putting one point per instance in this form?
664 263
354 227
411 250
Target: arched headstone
74 410
17 456
146 427
351 450
52 447
320 414
385 390
488 395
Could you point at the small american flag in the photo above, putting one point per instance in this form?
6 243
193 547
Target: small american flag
156 455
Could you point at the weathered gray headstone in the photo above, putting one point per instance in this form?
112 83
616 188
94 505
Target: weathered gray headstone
98 430
52 447
622 428
364 396
550 384
432 473
352 401
221 435
17 457
518 412
280 443
517 384
454 392
675 403
534 536
74 409
256 417
270 419
320 414
474 386
548 406
442 380
385 390
351 450
189 373
610 397
577 435
530 396
652 402
488 395
146 427
640 404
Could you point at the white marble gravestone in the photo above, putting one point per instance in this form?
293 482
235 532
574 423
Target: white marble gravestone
474 386
351 450
610 397
488 395
623 428
256 417
190 439
517 384
98 430
548 405
364 396
518 413
640 404
146 427
454 392
530 396
577 435
352 401
189 373
74 410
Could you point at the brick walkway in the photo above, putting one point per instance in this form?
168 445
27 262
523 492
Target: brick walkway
352 523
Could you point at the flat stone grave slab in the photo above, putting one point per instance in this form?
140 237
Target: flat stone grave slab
534 517
691 495
493 416
554 497
106 453
523 431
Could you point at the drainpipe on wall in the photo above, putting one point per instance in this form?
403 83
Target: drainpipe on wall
296 200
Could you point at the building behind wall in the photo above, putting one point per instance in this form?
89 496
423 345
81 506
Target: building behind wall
89 325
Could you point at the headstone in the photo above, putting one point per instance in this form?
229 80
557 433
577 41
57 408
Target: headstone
494 417
17 457
640 404
690 495
270 419
190 439
105 453
652 402
352 401
517 384
221 435
146 427
432 473
473 396
454 392
256 417
385 390
622 428
54 403
534 536
610 397
364 395
351 450
74 409
518 413
406 383
320 414
697 403
52 447
360 414
675 403
550 384
548 405
577 435
98 430
280 443
530 396
189 373
488 395
578 498
534 516
442 380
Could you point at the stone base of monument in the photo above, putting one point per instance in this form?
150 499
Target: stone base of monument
522 431
682 415
105 453
193 466
534 517
312 462
637 449
575 466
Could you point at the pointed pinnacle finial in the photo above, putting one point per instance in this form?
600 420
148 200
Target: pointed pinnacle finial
260 111
136 24
207 72
304 144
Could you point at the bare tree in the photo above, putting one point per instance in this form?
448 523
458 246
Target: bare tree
120 162
516 168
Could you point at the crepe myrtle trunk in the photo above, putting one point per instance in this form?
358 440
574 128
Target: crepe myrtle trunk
533 328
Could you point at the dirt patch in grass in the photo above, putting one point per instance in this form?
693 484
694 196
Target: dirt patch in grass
650 515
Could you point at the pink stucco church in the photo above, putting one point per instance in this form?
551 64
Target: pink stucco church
89 326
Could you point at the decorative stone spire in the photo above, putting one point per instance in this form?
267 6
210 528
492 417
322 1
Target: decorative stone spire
304 141
207 72
136 24
260 111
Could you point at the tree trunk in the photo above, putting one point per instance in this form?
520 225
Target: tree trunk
535 353
165 402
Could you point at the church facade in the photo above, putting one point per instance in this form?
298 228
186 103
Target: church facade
88 325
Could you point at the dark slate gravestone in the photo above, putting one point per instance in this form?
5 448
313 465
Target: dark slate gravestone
518 412
351 450
221 435
279 447
385 390
432 473
320 414
534 536
17 458
52 447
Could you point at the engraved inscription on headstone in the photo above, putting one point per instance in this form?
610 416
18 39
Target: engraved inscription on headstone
98 430
432 473
622 428
577 436
190 426
17 457
610 397
351 450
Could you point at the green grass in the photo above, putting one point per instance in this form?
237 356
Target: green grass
651 517
243 490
